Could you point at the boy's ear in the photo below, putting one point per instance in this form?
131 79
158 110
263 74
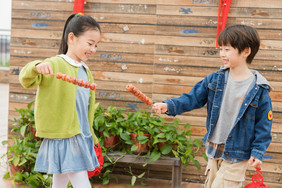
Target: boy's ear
247 52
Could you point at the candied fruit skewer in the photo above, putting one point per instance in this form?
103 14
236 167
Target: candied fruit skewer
76 81
141 96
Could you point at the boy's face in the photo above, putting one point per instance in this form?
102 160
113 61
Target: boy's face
231 57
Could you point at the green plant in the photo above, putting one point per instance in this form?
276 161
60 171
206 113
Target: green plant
108 122
22 152
23 123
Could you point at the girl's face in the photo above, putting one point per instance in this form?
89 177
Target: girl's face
82 47
231 57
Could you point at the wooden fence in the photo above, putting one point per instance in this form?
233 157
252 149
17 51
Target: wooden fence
163 47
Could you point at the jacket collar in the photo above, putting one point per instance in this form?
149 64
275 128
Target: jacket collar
73 62
260 80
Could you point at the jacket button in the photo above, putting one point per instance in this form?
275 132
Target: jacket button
229 136
226 153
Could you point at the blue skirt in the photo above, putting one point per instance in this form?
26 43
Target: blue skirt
60 156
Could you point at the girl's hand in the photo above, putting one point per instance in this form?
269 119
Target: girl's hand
254 162
44 68
160 108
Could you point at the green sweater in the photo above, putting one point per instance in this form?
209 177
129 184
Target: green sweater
55 104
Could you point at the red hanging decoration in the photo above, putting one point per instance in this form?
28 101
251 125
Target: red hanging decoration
223 10
78 6
100 158
257 180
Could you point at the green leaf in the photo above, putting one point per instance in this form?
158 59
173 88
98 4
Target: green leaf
129 142
125 136
18 176
187 126
155 156
176 154
205 156
7 175
105 181
166 149
141 175
106 134
133 180
22 130
197 164
134 147
198 143
16 160
142 138
143 183
5 142
22 162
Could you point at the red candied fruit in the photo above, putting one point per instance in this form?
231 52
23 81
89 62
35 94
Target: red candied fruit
93 86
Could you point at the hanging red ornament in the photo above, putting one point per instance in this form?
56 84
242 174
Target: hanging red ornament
223 10
78 6
257 180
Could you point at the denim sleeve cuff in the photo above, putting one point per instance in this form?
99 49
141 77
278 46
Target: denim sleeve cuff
257 154
171 107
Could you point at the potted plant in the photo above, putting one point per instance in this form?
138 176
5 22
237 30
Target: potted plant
22 152
108 124
136 131
25 123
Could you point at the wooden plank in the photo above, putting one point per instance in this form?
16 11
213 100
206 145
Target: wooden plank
4 75
126 158
235 12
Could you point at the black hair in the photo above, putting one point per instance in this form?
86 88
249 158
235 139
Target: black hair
240 37
77 24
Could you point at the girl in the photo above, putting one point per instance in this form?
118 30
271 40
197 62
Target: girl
64 112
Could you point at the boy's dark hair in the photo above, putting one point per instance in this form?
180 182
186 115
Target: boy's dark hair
77 24
241 37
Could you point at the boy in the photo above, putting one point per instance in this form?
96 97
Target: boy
239 110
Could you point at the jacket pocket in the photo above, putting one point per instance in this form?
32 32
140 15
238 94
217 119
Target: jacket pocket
212 89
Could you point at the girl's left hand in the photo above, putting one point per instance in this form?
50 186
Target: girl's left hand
254 162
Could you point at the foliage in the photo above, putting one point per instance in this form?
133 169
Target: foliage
162 138
176 142
23 151
108 122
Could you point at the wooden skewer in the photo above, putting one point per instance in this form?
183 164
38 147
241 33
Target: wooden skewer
76 81
136 92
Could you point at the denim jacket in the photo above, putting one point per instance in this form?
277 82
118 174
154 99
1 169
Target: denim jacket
251 133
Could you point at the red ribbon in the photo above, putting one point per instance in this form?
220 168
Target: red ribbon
223 10
78 6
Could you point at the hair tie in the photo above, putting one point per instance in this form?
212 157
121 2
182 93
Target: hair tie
78 14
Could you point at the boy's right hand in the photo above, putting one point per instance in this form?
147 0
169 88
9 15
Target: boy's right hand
160 108
44 68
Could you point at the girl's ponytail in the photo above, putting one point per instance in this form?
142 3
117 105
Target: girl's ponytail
64 41
77 24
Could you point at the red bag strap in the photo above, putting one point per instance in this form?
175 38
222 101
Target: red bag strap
78 6
223 10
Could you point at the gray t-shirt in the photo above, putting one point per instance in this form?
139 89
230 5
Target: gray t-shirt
233 98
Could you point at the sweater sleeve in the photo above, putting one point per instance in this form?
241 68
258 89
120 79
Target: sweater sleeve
29 77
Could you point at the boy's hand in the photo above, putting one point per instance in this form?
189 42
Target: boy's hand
160 108
44 68
254 162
